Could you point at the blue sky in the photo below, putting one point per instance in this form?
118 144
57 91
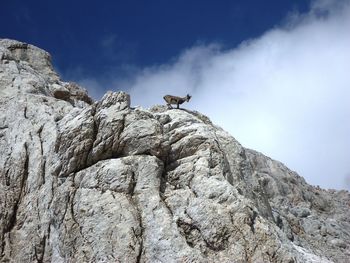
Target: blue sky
94 37
274 74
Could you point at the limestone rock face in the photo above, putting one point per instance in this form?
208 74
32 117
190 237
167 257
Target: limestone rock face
84 181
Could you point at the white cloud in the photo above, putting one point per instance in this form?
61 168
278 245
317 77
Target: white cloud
286 93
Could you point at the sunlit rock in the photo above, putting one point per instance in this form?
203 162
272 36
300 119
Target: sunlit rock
84 181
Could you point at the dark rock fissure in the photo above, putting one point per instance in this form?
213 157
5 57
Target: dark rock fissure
138 259
43 168
133 183
25 112
40 139
18 46
94 136
7 177
71 205
252 221
24 177
187 231
140 235
39 255
119 150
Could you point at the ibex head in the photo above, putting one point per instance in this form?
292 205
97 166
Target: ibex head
188 97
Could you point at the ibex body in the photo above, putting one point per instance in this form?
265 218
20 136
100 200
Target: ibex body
176 100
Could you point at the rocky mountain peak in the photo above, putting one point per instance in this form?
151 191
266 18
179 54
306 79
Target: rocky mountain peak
85 181
28 69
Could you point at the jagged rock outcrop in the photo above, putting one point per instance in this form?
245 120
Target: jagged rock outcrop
84 181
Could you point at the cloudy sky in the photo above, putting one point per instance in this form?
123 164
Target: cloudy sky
275 74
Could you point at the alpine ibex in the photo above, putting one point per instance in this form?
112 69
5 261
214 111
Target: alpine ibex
176 100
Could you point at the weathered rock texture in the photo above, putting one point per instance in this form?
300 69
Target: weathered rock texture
84 181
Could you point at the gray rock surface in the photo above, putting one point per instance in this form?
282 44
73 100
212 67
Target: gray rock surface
84 181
